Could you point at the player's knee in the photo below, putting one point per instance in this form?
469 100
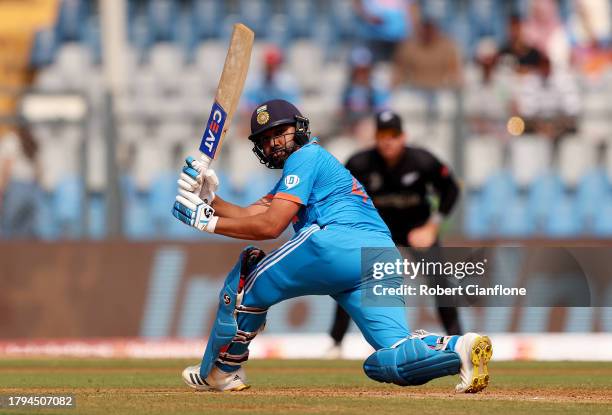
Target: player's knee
250 257
411 362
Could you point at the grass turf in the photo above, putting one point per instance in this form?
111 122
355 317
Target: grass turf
304 387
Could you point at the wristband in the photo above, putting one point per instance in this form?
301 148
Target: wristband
211 225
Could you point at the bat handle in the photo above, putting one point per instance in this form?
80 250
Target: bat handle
205 160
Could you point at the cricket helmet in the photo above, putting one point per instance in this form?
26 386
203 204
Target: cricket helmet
272 114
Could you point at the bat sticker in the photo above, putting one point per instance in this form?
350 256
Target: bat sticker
214 129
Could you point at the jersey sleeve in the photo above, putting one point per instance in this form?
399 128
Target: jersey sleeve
299 174
273 191
444 184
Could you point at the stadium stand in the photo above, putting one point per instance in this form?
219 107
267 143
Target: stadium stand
515 186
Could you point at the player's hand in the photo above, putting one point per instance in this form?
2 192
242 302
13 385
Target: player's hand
198 180
423 236
193 211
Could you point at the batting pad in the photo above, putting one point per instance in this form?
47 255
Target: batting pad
225 327
411 362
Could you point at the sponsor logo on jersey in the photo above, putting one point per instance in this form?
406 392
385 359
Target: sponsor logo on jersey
291 181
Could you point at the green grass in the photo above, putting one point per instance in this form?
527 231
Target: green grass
304 387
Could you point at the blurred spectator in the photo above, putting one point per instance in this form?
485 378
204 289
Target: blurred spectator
522 56
20 194
385 24
430 61
591 28
361 98
273 83
591 23
488 103
548 102
544 31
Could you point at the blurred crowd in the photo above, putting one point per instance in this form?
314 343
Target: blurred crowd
513 94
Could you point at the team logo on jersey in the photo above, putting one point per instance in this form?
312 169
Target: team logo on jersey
263 116
409 178
291 181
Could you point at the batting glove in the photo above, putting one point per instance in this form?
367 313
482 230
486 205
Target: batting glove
199 181
193 211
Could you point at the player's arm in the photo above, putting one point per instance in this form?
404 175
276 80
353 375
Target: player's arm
445 186
225 209
268 224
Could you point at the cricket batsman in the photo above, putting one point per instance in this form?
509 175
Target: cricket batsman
333 218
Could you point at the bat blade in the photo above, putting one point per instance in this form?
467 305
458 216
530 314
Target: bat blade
229 90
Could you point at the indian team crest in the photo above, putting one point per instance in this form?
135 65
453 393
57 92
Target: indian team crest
263 116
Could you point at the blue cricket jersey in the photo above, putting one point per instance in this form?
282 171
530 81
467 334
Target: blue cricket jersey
327 191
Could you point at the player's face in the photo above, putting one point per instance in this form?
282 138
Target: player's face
390 144
278 142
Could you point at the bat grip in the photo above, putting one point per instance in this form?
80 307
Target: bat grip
205 160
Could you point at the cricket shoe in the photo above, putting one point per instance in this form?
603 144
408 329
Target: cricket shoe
217 379
334 352
475 352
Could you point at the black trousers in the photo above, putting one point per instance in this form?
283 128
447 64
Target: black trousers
449 316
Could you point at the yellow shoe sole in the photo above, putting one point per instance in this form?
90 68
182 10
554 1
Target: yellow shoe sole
239 388
481 353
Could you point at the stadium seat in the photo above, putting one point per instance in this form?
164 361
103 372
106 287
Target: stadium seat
607 160
439 11
342 148
516 221
96 216
305 63
486 19
530 157
321 111
44 48
498 192
326 36
139 34
602 226
160 200
75 64
135 210
576 157
50 79
278 30
460 31
475 223
66 207
483 157
409 104
208 60
301 14
543 193
166 61
254 14
593 191
206 17
162 20
70 19
562 220
343 19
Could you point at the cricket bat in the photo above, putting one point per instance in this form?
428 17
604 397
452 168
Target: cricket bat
228 93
